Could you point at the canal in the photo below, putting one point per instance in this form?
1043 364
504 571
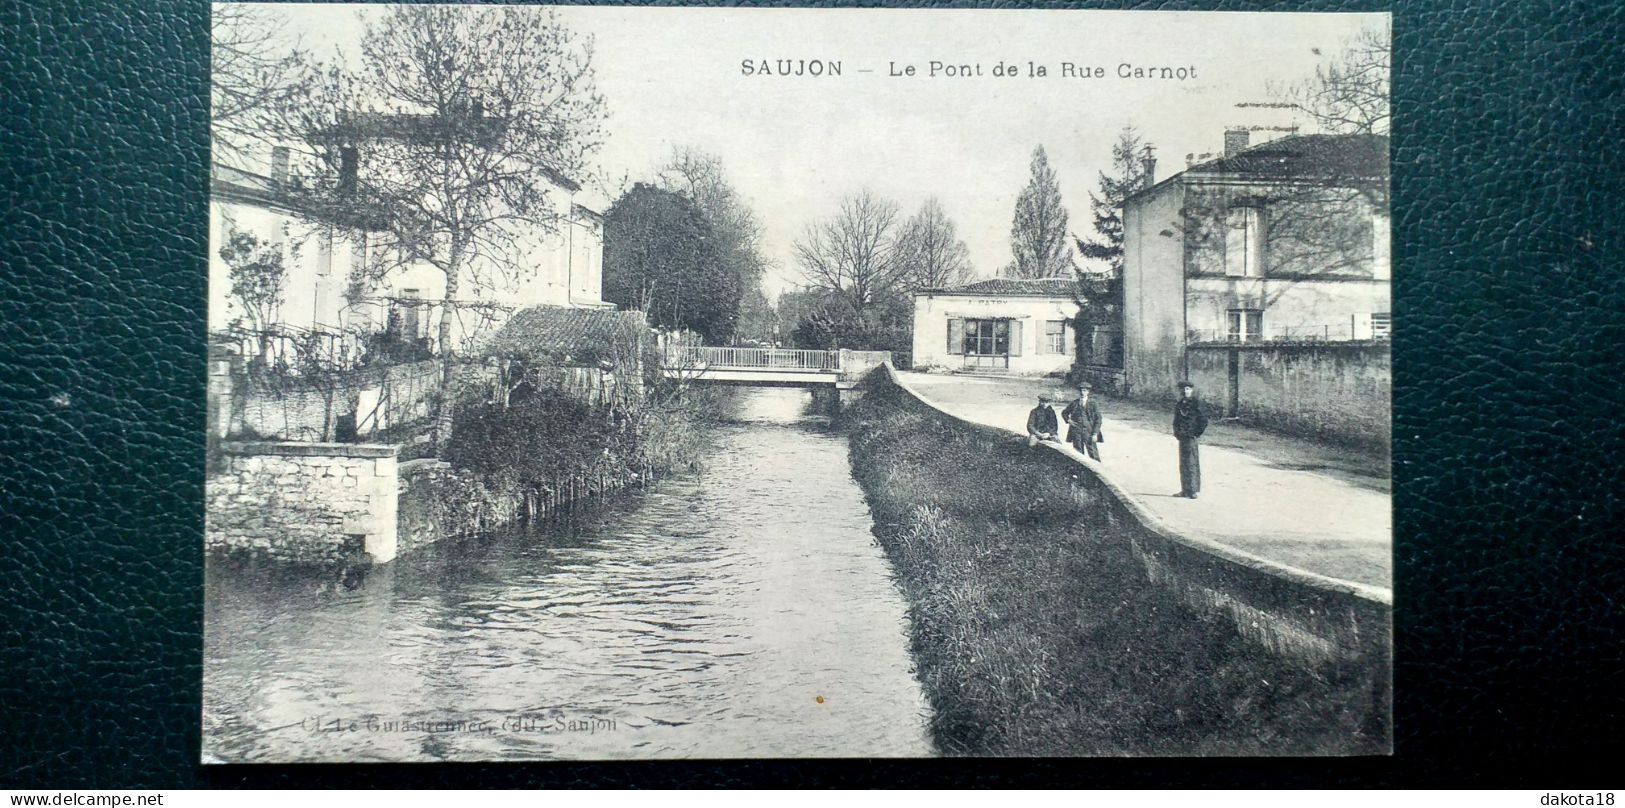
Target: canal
744 610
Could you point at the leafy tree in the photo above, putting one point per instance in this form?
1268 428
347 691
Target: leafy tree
930 250
1038 235
660 257
256 269
449 144
737 235
831 323
757 319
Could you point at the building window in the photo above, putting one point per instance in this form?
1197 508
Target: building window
1244 243
1055 336
1246 325
409 317
987 337
1382 325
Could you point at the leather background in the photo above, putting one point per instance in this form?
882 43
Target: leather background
1508 484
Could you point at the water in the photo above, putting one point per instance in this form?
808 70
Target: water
741 611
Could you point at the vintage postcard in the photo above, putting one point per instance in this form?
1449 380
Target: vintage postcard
644 383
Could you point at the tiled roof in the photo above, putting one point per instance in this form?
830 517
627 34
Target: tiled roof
1031 287
1309 156
567 335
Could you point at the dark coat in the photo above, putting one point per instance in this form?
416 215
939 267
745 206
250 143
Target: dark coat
1084 418
1041 421
1189 422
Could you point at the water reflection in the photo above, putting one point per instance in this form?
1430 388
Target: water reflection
743 611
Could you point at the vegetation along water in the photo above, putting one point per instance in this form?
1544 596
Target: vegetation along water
1036 631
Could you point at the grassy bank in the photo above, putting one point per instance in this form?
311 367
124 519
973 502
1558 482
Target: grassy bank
1036 631
534 457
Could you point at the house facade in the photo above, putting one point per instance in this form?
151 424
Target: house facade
323 300
1281 243
1003 325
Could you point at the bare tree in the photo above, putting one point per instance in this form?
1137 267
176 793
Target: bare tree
1038 235
1349 93
853 256
1321 220
256 70
930 252
450 143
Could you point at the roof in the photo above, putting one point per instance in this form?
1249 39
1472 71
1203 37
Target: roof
568 335
1299 157
236 184
1307 156
1012 287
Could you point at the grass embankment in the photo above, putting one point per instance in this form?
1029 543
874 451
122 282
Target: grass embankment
1035 630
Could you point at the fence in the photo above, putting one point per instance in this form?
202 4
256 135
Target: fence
293 350
686 356
1325 332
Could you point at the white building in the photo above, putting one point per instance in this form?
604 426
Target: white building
1000 325
563 266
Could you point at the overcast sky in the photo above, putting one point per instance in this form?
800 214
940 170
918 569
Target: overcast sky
793 146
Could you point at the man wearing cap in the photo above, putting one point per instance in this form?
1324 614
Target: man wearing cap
1041 423
1083 424
1189 424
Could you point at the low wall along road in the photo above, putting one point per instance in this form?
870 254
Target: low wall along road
1291 611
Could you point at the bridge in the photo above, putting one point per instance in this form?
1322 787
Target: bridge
771 367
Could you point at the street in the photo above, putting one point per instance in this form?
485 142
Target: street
1320 509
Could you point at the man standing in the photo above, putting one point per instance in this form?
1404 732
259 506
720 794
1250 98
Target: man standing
1041 423
1083 424
1189 424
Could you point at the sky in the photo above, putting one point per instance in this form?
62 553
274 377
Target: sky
794 146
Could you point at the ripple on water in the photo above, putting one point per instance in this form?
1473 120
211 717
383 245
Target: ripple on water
701 618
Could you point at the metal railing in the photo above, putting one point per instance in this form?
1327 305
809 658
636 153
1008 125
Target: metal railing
699 357
1343 332
291 349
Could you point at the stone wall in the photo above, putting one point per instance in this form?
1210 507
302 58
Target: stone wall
305 503
398 395
438 503
281 407
1338 391
288 409
856 364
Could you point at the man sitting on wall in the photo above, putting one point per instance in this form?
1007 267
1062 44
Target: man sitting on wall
1041 423
1083 421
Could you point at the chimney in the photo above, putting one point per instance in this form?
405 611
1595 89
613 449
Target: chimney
1235 140
349 165
1149 161
279 166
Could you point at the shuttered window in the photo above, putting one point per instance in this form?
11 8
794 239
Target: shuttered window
956 336
1015 338
1054 337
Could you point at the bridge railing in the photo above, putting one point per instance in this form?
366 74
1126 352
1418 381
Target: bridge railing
700 357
